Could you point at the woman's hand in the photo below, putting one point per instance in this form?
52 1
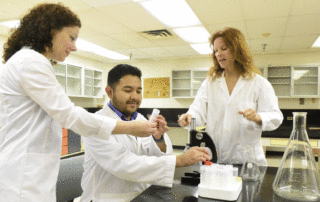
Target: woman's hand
251 115
184 120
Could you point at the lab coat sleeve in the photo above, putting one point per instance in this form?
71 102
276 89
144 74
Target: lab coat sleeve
155 150
115 159
198 109
40 84
268 109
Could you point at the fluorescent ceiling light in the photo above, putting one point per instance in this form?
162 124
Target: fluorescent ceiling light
203 48
317 43
193 34
90 47
11 24
172 13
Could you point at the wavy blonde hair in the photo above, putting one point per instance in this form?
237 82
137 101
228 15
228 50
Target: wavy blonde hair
234 39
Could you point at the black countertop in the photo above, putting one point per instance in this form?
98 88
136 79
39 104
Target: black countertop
251 191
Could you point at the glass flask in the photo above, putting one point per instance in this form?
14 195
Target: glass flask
250 168
297 177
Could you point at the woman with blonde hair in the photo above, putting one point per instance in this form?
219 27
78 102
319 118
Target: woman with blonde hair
235 102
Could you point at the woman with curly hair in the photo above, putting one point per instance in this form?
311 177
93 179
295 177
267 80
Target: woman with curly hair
234 101
34 106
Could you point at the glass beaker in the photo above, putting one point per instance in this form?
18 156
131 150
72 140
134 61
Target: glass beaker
297 177
250 168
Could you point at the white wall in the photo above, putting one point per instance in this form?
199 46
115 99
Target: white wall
155 68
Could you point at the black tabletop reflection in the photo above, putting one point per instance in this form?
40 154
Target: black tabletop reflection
259 191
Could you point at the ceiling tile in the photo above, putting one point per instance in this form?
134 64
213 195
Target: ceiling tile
298 42
185 50
133 16
107 42
302 7
212 12
98 21
157 52
259 9
238 25
100 3
135 53
303 25
275 26
132 39
272 43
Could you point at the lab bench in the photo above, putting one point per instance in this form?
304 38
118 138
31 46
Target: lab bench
251 191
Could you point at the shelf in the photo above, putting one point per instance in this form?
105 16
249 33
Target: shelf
73 77
185 78
279 77
313 83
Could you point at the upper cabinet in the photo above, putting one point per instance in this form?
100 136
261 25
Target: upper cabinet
295 82
79 81
185 83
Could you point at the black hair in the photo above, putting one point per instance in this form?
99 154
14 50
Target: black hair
121 70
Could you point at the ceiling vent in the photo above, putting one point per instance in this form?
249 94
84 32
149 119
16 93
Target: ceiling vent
157 34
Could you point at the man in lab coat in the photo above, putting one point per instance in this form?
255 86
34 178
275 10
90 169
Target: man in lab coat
122 167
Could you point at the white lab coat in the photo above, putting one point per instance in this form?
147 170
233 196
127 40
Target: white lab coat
119 169
215 107
33 109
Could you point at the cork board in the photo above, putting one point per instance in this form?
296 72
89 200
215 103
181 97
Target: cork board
156 87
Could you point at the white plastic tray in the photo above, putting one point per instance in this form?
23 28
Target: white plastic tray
230 194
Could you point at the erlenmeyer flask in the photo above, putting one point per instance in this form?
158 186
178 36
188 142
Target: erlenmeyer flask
297 177
250 168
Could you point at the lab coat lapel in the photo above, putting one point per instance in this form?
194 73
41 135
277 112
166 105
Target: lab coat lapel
239 85
223 85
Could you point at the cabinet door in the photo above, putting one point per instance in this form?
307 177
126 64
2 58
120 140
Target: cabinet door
60 72
181 84
88 82
280 79
305 81
97 92
197 78
74 80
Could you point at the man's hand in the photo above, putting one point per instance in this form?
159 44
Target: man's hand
251 115
184 120
135 128
161 126
192 156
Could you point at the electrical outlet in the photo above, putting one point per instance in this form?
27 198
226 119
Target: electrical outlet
289 118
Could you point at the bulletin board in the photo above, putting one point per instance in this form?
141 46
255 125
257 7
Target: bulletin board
156 87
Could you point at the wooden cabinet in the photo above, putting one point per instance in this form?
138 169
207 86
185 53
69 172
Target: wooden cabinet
298 81
185 83
79 81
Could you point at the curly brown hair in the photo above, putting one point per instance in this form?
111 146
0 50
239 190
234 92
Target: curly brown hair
234 39
36 28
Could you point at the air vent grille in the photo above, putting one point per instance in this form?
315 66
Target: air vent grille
157 34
